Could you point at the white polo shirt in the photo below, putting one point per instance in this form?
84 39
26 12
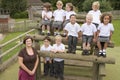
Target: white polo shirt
105 29
43 48
88 30
96 16
68 13
58 47
49 14
72 29
59 15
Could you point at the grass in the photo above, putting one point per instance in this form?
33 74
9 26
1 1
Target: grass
115 37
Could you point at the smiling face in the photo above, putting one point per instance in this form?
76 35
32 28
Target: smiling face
89 18
67 8
46 42
106 19
59 6
28 42
73 19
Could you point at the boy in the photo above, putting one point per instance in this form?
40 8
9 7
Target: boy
58 15
48 66
58 47
72 30
88 31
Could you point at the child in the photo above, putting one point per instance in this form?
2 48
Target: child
46 18
69 11
58 15
47 61
95 13
88 31
72 30
104 33
58 47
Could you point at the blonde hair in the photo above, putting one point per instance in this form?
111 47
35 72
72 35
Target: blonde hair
96 3
58 37
89 15
59 2
70 5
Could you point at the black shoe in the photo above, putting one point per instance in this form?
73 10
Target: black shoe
73 52
99 54
48 34
104 54
69 52
83 52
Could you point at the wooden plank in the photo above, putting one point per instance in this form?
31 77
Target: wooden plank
78 63
89 58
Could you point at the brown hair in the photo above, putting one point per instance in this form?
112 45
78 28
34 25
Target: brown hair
106 14
27 37
72 15
47 38
48 6
70 5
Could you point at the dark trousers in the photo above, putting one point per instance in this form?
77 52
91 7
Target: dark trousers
72 42
48 68
59 69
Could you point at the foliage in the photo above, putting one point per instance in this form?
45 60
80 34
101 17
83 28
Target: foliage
15 6
104 5
76 3
23 14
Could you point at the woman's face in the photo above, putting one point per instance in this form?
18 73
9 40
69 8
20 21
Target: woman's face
28 42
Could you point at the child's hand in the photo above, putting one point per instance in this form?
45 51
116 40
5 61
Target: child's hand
66 37
50 61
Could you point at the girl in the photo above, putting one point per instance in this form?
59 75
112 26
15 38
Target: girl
104 33
69 11
46 18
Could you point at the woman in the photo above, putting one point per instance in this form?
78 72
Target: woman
28 60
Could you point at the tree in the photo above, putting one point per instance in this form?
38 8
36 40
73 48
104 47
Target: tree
15 6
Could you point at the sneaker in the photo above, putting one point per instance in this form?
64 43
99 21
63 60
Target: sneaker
99 54
104 54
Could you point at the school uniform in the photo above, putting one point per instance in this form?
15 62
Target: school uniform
88 31
96 16
67 17
58 62
46 21
105 32
73 30
58 18
48 67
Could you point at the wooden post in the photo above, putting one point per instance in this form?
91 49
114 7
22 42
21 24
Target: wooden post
38 71
0 57
95 71
102 71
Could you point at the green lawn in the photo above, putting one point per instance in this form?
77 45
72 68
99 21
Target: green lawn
115 37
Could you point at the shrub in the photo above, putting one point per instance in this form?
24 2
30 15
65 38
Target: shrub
20 15
104 5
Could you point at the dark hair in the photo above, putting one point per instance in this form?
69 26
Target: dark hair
106 14
48 6
27 37
70 5
47 38
72 15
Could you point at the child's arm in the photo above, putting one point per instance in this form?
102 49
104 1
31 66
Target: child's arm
94 36
111 32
